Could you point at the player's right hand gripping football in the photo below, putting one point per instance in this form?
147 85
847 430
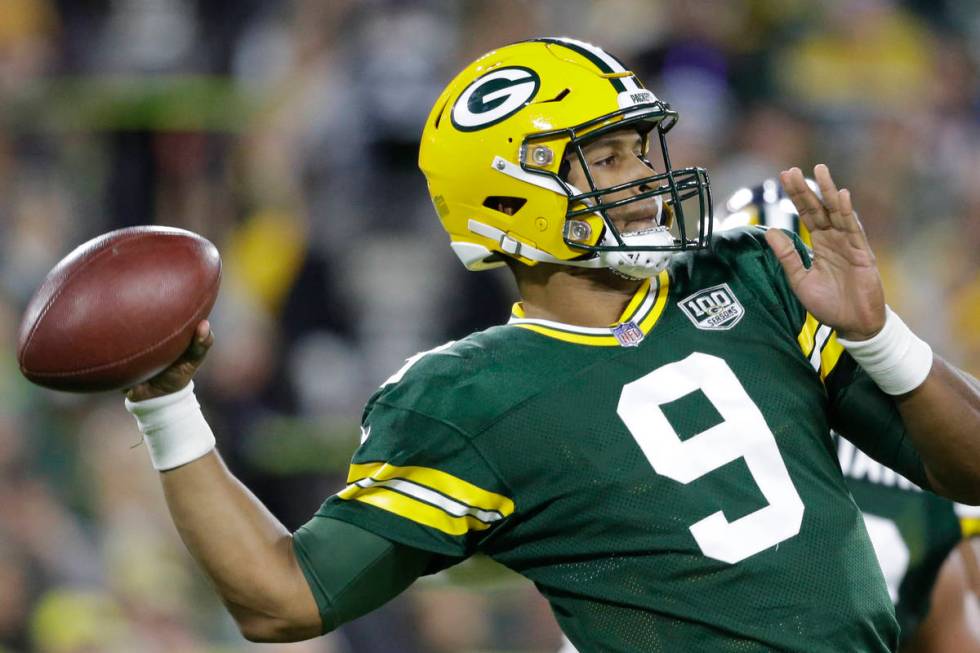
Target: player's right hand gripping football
180 373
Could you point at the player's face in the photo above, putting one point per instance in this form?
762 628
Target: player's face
617 158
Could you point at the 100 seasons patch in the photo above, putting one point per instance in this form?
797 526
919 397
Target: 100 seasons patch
713 309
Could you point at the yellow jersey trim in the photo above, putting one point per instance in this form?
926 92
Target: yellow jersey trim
818 343
806 335
426 496
440 481
644 310
414 510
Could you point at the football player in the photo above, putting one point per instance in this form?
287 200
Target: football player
914 532
647 438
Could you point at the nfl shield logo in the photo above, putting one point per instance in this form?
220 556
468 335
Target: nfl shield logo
628 334
713 309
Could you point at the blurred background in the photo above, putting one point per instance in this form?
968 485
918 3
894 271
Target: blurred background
286 132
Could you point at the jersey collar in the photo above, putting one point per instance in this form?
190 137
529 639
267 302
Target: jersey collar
634 324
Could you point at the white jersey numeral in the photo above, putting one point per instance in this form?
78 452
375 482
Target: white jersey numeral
743 433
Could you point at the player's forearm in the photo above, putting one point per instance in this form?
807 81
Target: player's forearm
939 405
243 548
942 417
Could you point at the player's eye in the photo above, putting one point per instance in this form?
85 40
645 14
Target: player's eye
605 161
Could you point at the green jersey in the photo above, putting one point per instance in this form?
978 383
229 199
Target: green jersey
669 483
912 531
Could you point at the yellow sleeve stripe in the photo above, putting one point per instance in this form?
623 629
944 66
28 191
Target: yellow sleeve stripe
443 483
819 345
414 510
807 333
426 496
830 355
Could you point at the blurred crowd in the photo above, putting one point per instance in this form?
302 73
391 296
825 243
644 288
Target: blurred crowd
286 132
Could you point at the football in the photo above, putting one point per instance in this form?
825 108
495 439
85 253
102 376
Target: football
118 309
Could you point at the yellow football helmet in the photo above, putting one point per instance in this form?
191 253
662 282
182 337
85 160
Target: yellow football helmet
767 205
494 154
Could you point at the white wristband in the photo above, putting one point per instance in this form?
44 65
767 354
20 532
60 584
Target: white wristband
173 428
895 358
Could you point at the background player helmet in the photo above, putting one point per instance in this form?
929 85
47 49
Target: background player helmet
493 152
767 205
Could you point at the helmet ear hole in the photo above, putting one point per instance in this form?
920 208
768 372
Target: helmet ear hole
564 169
504 204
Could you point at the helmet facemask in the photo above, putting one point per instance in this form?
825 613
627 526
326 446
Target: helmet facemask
643 253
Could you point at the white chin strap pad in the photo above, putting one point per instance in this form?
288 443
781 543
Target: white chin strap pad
641 265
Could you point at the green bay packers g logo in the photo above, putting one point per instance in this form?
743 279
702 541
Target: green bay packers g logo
495 96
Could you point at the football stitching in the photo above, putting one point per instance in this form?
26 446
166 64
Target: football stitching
47 307
121 361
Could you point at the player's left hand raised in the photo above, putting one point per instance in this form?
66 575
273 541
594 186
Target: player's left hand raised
842 288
